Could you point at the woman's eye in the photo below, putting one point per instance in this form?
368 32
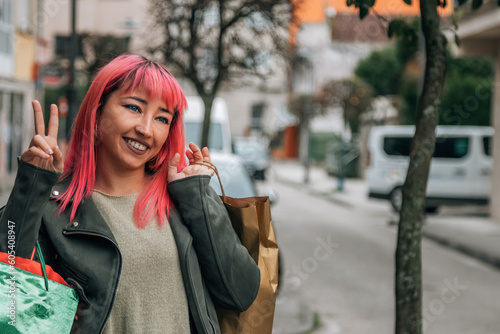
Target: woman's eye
133 107
163 120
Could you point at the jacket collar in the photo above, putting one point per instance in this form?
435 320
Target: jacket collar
88 219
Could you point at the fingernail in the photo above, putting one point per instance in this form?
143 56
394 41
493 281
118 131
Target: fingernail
50 151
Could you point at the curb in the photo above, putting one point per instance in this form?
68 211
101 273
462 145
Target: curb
467 250
326 196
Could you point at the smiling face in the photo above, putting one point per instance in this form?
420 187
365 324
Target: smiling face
133 128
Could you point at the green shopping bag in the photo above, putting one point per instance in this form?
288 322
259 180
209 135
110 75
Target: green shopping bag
34 298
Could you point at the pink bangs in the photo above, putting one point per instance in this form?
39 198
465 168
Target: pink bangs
80 164
158 84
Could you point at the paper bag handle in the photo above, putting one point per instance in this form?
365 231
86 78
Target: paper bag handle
212 167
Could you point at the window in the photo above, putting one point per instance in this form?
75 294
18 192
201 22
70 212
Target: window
397 146
23 17
256 119
487 146
451 147
446 147
6 28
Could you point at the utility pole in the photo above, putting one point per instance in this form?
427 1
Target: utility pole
71 91
304 84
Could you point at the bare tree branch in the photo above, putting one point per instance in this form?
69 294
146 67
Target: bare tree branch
214 41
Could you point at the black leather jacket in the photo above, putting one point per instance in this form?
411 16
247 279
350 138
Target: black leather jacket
217 270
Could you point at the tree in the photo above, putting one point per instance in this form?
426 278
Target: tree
466 101
408 275
409 92
466 97
210 42
298 102
382 70
467 93
99 49
354 96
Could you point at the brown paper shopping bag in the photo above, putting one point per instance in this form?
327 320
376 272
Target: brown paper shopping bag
251 219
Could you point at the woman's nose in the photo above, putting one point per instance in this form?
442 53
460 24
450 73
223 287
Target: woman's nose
144 128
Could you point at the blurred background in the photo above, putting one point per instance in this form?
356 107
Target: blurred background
294 89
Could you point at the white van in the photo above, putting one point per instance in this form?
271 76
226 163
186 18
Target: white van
219 137
460 170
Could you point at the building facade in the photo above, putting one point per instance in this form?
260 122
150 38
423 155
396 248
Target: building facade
18 44
479 33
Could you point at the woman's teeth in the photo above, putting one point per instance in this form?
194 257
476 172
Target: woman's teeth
136 145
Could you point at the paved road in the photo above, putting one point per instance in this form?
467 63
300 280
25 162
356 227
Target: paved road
339 260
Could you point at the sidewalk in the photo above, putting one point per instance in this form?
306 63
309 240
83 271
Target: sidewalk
476 235
467 230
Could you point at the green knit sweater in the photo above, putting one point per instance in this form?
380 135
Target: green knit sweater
151 297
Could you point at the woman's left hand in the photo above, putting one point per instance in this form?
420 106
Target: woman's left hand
194 155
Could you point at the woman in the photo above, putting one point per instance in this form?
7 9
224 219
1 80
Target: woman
138 233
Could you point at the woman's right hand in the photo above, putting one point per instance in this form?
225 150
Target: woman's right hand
43 151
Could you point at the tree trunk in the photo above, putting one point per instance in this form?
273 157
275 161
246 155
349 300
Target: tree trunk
408 252
208 101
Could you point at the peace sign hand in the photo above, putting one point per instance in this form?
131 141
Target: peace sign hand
43 151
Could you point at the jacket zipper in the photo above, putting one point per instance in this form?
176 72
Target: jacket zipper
119 270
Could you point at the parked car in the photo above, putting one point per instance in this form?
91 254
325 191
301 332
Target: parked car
233 174
255 155
235 179
460 170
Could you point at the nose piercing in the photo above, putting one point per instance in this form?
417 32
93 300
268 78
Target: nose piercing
139 130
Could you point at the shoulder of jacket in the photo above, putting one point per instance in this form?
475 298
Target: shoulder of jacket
58 189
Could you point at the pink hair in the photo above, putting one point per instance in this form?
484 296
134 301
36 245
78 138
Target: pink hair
80 164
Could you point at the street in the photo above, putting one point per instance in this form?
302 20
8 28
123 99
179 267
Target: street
339 260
